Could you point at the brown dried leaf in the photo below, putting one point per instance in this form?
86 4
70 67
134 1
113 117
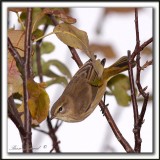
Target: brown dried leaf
147 50
119 10
17 38
59 13
106 50
17 9
14 77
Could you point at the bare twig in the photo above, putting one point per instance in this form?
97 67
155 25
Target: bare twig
38 59
141 47
52 134
136 130
27 144
146 64
115 129
38 56
135 105
138 118
14 115
41 130
15 53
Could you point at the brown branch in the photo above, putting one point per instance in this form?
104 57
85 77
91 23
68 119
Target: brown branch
136 129
115 129
146 64
38 56
138 119
135 106
52 134
15 53
15 116
141 47
27 144
75 56
38 60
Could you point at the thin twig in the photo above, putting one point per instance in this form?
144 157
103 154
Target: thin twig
39 130
14 115
15 53
115 129
136 129
141 47
52 134
27 145
135 105
38 56
138 119
38 59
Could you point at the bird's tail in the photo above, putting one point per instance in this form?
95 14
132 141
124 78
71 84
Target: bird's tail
119 66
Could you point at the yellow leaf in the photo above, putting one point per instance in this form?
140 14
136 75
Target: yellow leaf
21 110
38 101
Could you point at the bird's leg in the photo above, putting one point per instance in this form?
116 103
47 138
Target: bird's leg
106 105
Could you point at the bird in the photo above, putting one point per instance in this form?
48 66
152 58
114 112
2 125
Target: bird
86 89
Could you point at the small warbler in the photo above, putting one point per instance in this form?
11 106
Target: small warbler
86 89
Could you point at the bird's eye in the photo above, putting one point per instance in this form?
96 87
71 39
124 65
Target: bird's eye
60 109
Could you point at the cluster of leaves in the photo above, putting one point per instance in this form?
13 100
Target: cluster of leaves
38 98
71 36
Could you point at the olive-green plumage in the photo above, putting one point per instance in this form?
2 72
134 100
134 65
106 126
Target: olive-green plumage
85 90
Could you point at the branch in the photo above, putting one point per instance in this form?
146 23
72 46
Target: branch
135 106
138 119
52 134
15 116
15 53
141 47
38 56
27 145
115 129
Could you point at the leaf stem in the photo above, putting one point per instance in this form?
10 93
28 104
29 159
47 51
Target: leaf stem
19 19
43 36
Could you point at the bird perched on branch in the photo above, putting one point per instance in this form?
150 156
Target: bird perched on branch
86 89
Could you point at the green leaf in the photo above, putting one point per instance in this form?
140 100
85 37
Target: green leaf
119 85
47 47
37 33
38 101
72 36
